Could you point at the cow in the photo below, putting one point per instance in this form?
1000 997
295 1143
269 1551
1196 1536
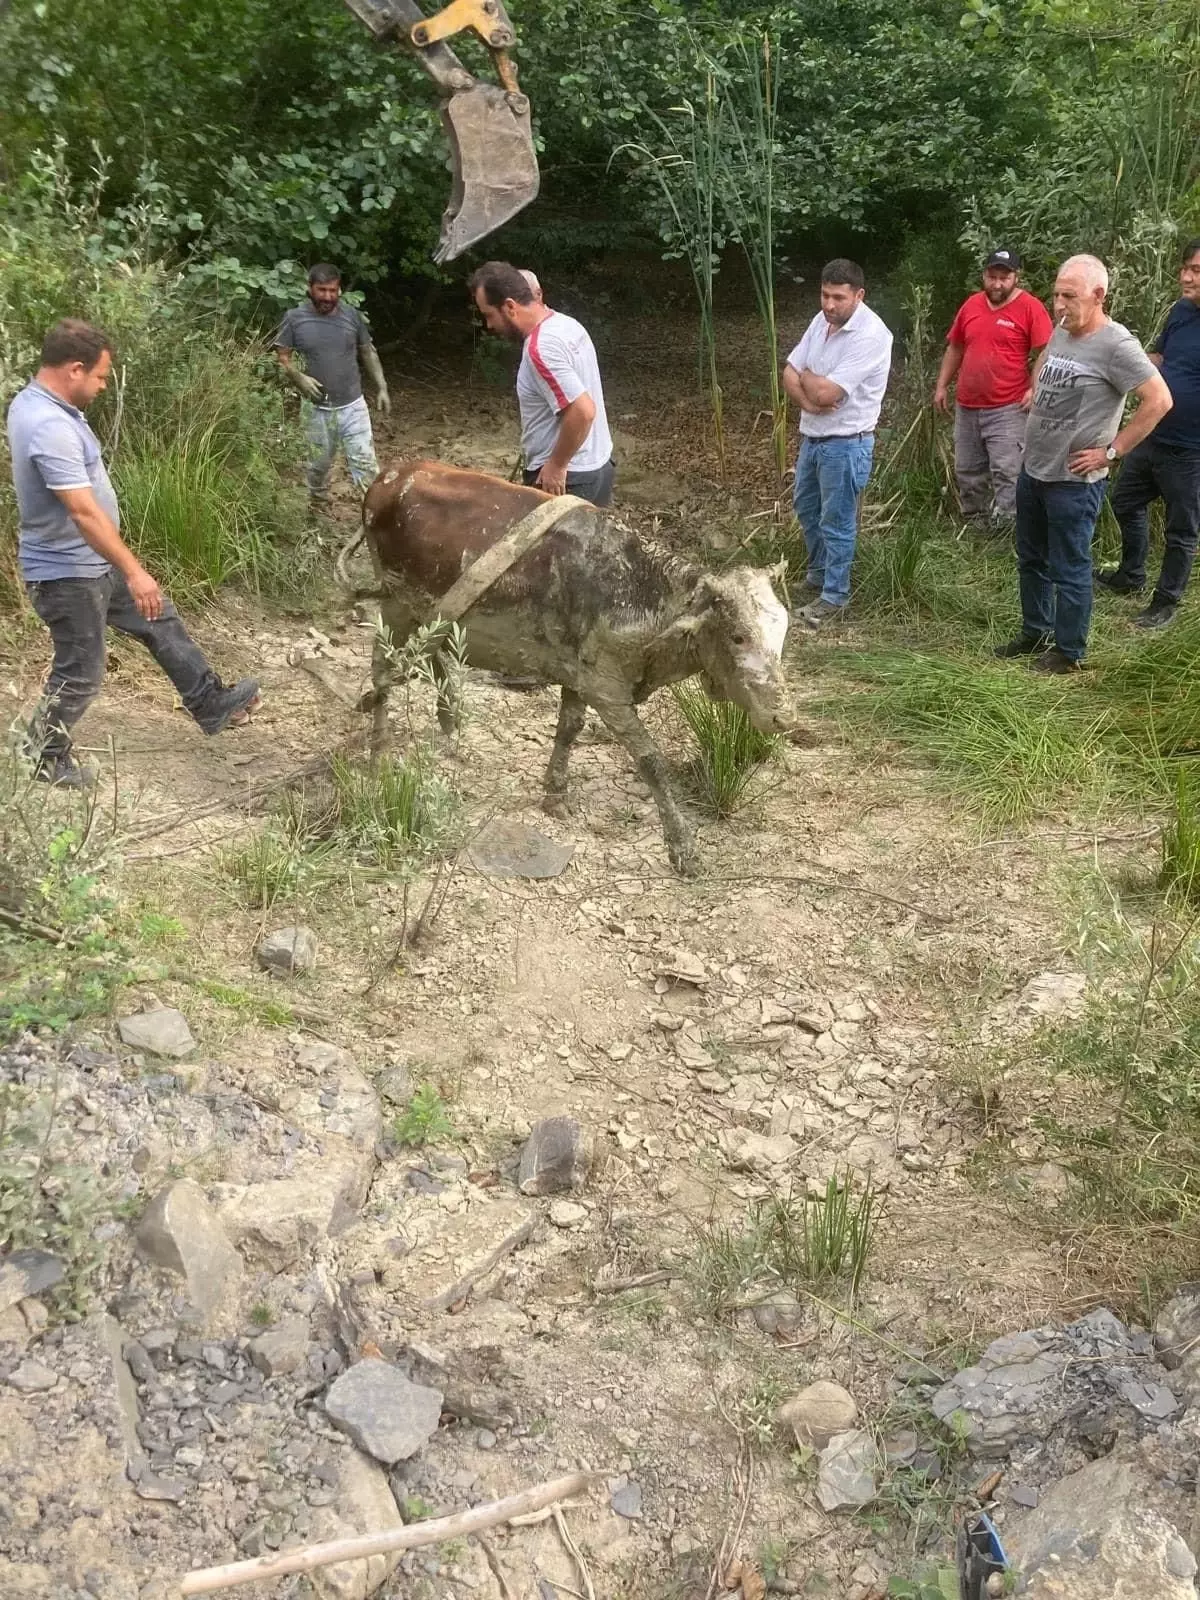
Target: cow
594 608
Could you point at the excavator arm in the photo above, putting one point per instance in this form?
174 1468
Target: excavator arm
488 126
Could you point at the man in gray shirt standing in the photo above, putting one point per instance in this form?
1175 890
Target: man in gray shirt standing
1079 387
333 338
80 575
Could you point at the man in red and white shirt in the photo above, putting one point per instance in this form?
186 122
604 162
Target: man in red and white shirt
989 351
564 428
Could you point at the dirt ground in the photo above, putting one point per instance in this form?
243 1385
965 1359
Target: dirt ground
846 891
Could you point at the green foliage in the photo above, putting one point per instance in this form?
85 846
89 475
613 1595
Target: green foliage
729 748
269 867
933 1583
261 1315
1179 848
392 810
49 1201
423 1121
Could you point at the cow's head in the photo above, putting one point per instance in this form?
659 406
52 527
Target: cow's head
739 643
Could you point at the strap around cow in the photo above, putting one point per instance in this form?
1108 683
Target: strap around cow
499 557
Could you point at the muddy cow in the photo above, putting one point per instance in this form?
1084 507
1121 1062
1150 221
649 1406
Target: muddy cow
593 608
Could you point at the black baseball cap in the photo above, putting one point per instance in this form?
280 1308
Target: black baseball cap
1008 259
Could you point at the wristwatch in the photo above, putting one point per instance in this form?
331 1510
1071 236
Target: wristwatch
1111 453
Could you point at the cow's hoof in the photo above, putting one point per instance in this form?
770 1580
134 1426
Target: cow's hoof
685 861
556 806
803 738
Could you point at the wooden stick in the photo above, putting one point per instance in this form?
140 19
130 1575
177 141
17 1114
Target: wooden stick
467 1282
411 1537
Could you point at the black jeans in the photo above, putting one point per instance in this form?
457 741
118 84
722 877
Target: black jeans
594 486
1151 472
77 611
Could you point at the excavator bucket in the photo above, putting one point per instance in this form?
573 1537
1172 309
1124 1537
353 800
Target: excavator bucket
491 139
495 168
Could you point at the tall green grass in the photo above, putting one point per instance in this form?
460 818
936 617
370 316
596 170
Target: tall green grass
729 749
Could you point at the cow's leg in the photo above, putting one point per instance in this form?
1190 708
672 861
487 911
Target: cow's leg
572 710
397 625
449 708
625 725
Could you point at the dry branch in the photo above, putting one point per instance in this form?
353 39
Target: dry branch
232 1576
507 1245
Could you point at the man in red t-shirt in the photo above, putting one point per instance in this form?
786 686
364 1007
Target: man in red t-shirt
989 351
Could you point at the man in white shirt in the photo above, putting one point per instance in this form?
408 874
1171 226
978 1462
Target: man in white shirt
564 428
836 375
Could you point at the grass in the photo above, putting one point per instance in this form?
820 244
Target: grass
1179 847
269 867
729 749
394 810
787 1243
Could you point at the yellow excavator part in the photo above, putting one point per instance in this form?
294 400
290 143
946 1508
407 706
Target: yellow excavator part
488 126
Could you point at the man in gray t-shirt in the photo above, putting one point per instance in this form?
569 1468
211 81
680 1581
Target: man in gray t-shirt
80 575
332 338
1080 384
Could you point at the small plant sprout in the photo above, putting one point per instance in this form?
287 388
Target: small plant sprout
424 1121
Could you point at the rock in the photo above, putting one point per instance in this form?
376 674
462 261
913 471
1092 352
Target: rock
288 950
557 1156
276 1223
281 1350
627 1501
31 1377
1051 994
508 848
567 1214
27 1272
1021 1494
746 1151
382 1411
395 1085
164 1032
181 1232
1092 1534
1177 1339
780 1313
817 1413
363 1503
846 1471
22 1580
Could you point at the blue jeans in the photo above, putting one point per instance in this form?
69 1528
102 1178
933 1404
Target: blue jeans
830 476
1151 472
1055 525
327 428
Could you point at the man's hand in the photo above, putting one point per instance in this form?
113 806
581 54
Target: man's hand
941 399
1027 398
147 596
307 385
552 479
1088 461
383 402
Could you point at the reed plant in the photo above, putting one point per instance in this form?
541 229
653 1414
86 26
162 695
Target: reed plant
729 749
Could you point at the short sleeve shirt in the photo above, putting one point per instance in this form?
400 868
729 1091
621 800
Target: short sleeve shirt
1080 397
996 343
329 342
52 447
558 364
858 358
1179 346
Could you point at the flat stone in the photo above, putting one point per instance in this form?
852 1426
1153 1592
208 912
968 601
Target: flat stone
818 1412
382 1411
288 951
627 1501
181 1232
1093 1534
276 1223
557 1157
360 1502
24 1273
846 1471
164 1032
282 1349
747 1151
1177 1338
31 1377
507 848
1021 1494
567 1214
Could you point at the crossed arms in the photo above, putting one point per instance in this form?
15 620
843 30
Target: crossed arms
810 392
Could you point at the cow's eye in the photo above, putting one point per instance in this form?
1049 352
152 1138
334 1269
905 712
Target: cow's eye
740 639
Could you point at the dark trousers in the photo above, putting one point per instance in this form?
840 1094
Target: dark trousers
77 611
1170 473
1055 524
594 486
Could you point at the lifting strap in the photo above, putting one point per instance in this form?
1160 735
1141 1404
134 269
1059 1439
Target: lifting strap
505 553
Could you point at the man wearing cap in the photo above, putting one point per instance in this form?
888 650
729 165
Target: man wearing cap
836 375
1165 466
991 343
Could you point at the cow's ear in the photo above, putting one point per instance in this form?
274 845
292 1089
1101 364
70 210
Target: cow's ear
779 571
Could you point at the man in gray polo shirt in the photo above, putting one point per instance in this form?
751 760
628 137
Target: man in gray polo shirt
333 338
80 575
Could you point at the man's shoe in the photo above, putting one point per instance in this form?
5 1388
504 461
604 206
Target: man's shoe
231 708
1112 580
819 612
1025 644
1158 614
1053 661
64 772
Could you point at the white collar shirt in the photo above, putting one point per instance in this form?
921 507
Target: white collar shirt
858 358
